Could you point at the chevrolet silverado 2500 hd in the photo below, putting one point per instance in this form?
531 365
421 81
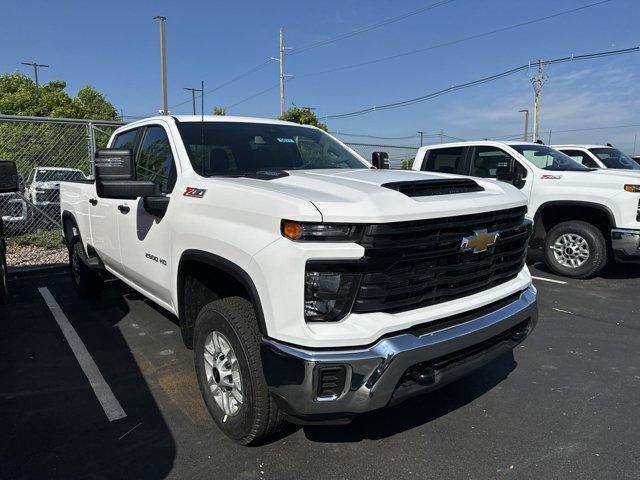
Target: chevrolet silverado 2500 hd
310 286
582 216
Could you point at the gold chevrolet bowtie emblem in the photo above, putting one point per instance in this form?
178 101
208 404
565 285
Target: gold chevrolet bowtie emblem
479 241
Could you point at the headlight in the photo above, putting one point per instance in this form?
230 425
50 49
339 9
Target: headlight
632 188
321 232
328 296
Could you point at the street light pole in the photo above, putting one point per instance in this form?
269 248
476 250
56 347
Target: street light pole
421 136
35 70
163 64
193 96
526 124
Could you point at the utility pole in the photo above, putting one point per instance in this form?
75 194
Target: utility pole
193 96
526 124
538 81
441 136
281 50
163 64
421 135
35 70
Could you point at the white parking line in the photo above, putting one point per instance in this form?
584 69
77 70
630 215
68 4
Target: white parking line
549 280
107 399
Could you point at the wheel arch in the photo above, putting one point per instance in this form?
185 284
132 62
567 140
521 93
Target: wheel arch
552 213
192 259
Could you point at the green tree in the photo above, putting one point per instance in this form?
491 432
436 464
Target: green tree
217 110
18 96
303 116
49 143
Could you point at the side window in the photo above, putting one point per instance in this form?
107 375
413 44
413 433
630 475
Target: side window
581 157
445 160
126 139
155 160
486 161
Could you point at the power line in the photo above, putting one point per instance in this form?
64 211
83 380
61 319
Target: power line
452 42
517 136
231 80
370 27
480 81
261 92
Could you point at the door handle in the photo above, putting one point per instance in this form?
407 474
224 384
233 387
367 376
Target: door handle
93 201
124 209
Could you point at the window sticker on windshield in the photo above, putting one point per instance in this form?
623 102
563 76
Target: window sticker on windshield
286 140
195 192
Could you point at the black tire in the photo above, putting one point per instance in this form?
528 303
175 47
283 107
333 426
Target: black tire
4 291
87 282
258 416
596 245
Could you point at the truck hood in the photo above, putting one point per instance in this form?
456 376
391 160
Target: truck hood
343 195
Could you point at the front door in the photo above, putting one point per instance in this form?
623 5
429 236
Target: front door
145 239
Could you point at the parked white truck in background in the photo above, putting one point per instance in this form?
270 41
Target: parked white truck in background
599 156
310 285
582 217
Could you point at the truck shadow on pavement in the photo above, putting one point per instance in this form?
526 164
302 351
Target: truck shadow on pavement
53 425
419 410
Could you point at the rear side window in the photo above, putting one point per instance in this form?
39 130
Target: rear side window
445 160
126 139
581 157
155 160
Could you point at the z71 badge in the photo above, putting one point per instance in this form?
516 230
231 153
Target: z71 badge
195 192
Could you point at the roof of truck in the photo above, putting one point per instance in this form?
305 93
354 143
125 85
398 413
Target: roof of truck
575 145
219 118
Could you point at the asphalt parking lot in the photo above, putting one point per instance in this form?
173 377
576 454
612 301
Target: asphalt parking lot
566 405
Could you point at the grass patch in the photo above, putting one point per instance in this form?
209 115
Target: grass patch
40 238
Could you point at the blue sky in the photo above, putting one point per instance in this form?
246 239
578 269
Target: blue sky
113 46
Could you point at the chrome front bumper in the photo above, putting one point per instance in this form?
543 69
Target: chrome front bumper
396 366
625 245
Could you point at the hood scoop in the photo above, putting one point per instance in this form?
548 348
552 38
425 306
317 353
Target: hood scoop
429 188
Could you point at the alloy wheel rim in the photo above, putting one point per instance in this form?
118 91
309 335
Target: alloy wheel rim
223 373
571 250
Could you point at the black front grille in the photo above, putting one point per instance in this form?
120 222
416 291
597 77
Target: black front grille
414 264
48 195
428 188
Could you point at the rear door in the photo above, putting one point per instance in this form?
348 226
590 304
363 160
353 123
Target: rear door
103 213
145 239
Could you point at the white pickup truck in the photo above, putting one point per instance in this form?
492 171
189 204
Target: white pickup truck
310 285
583 217
599 156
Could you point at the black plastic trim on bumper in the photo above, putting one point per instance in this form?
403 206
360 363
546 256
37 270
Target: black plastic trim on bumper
625 245
374 374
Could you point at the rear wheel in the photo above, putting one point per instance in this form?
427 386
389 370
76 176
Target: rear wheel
575 249
229 371
86 281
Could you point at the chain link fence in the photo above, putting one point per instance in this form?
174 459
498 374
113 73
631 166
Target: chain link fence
399 156
50 150
46 151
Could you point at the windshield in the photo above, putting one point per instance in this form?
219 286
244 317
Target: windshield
614 158
234 148
547 158
59 176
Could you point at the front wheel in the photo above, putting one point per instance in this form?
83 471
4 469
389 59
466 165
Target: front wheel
575 249
229 371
